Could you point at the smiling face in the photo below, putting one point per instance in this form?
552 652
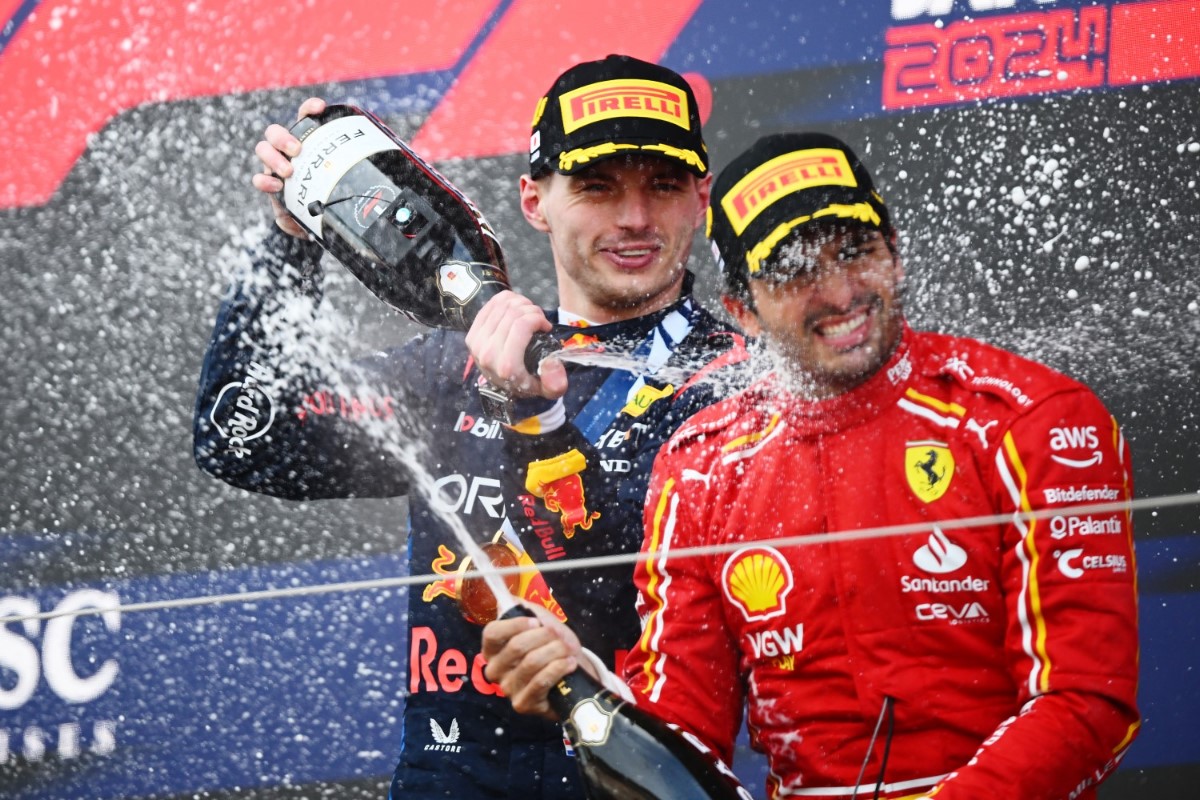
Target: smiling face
830 305
620 231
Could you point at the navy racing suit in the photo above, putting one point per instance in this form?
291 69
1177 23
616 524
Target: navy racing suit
275 415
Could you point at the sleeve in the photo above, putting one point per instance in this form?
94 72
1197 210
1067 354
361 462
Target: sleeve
1069 581
685 666
275 412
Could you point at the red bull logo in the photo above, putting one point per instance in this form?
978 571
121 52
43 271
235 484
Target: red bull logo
580 340
565 498
472 594
623 98
556 480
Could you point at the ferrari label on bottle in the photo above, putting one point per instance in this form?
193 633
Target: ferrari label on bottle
327 153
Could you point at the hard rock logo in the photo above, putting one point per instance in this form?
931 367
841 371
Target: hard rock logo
757 580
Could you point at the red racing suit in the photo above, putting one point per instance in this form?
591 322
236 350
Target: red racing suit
997 660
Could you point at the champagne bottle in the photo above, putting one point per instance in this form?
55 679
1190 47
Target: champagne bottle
625 753
401 228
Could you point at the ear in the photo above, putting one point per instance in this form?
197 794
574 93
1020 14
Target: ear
742 314
531 204
897 262
704 190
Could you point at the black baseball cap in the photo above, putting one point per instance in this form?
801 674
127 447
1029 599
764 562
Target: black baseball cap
782 183
616 106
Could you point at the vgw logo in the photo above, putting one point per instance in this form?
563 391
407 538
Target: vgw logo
22 657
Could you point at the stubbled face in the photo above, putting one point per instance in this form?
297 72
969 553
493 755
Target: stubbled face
620 231
832 308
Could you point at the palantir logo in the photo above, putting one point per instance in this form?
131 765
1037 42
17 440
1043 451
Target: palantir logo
939 555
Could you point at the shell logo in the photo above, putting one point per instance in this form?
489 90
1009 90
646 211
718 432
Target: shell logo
757 580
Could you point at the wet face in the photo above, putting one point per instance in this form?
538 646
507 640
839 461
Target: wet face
620 231
831 307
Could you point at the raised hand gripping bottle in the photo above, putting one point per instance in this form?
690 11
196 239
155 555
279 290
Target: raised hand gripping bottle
399 226
624 753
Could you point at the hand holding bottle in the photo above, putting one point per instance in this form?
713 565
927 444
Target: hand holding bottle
395 223
276 150
623 752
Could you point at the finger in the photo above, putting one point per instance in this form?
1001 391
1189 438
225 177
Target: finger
553 375
498 633
534 696
310 108
273 158
525 658
482 335
522 324
267 184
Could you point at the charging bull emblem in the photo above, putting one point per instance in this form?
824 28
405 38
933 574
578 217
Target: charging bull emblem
556 480
565 498
472 594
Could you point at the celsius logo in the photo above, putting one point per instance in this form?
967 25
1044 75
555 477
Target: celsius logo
1064 562
939 555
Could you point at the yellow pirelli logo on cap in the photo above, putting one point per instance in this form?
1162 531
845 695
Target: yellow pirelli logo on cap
779 177
623 98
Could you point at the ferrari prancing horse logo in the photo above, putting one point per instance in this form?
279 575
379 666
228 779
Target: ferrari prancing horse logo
929 466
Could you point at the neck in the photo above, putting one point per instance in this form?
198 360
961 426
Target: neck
580 305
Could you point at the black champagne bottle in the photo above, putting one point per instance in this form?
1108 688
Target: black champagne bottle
400 227
625 753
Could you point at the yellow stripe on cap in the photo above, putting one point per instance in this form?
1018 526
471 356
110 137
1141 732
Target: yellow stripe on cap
568 160
863 212
537 112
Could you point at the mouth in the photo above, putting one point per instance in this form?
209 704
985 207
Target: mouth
846 331
632 256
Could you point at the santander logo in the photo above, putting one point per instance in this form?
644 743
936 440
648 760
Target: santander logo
939 555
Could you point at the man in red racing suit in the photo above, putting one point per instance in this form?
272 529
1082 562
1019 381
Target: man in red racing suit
955 657
1000 657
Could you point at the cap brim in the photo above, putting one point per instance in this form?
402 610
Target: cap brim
587 155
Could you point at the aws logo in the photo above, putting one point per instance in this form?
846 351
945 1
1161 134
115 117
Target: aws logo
757 580
929 467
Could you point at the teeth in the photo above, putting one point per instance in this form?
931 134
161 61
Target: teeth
634 253
843 328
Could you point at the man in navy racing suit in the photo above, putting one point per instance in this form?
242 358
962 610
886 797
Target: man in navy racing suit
619 198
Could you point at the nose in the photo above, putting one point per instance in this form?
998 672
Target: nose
634 210
835 284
